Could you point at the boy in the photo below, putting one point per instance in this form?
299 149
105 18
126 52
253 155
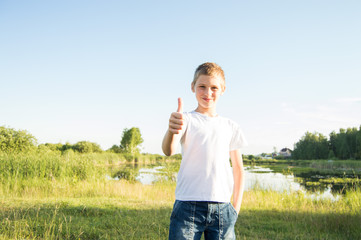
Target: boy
205 182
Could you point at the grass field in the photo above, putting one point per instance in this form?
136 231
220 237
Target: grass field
82 204
123 210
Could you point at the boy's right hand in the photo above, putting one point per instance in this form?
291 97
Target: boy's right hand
176 119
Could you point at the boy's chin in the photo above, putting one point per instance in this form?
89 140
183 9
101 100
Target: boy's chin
207 106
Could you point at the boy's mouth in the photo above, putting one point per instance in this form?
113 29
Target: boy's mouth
207 99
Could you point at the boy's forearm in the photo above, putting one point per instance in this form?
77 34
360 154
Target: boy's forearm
238 177
168 145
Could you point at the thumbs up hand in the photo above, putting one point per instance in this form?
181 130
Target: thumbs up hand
176 119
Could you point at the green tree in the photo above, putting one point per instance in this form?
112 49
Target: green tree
331 155
86 147
346 143
66 147
131 140
333 143
351 139
311 146
115 149
358 144
251 157
342 146
12 140
52 146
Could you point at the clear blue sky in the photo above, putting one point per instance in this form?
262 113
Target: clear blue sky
85 70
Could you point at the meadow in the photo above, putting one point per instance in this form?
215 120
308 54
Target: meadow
67 196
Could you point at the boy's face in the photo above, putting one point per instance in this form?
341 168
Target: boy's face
208 89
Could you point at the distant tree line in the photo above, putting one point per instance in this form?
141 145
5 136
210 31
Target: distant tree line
81 147
346 144
20 141
16 141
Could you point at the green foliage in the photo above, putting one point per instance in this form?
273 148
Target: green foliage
66 146
127 173
51 146
80 147
311 146
115 149
115 209
251 157
177 156
156 157
68 153
280 157
346 144
343 145
331 155
86 147
66 196
20 168
14 141
131 139
129 157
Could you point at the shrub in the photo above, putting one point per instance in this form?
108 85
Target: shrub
14 141
87 147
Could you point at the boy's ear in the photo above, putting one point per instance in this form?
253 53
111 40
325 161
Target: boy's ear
192 87
223 90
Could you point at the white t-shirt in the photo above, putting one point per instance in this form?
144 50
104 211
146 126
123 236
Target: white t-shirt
205 173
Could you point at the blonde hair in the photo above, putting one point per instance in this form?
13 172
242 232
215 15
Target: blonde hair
209 69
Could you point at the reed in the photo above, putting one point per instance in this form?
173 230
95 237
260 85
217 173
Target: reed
76 201
108 209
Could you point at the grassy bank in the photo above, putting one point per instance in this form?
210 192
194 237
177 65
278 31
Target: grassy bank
70 198
123 210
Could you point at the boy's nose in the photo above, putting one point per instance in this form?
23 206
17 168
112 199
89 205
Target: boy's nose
208 91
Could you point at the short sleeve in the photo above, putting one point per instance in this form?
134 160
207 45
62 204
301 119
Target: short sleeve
238 140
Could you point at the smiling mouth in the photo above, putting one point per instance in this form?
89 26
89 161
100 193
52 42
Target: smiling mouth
207 99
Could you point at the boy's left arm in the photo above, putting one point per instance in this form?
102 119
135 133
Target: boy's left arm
238 177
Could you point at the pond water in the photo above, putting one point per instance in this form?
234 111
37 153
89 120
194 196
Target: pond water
316 181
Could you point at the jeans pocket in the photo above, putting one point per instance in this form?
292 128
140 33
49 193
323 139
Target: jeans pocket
233 209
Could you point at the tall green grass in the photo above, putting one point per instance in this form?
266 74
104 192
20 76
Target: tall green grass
55 196
53 165
124 210
21 173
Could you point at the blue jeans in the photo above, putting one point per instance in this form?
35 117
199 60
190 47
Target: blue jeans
190 219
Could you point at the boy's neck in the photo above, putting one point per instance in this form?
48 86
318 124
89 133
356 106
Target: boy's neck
207 112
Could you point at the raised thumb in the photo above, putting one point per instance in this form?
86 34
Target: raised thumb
180 105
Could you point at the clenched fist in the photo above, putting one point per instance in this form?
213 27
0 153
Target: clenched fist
176 119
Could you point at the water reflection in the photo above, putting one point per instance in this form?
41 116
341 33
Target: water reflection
149 176
266 179
281 178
